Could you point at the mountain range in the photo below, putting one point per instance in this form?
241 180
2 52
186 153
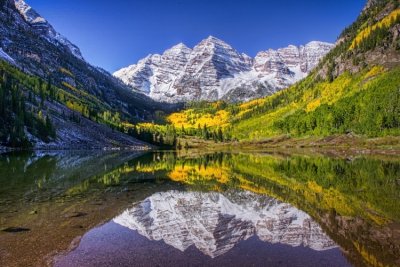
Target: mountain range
214 70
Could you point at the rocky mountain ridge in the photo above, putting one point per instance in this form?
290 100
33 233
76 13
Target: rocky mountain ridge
373 39
38 49
40 25
213 70
77 94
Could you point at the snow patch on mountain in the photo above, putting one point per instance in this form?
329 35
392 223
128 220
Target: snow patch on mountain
6 57
213 70
214 223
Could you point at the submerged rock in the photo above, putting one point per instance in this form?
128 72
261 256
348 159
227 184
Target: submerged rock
75 214
15 229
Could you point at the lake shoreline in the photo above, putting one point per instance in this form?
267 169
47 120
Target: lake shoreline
336 144
105 149
348 144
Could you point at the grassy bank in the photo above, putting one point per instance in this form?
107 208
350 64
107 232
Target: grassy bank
343 144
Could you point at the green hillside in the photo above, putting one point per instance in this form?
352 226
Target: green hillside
365 103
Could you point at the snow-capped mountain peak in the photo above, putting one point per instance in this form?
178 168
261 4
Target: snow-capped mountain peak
213 42
214 70
29 14
177 49
41 25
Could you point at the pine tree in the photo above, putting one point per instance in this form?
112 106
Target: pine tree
41 94
2 100
50 89
220 135
174 142
49 127
205 132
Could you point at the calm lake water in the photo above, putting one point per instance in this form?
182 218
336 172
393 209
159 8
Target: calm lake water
220 209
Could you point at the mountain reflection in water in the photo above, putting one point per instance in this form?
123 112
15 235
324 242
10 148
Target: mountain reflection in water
215 222
235 209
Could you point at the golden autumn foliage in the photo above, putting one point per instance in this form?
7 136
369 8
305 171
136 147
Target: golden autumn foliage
376 70
367 256
72 88
366 32
191 119
188 174
328 93
78 107
82 93
127 125
313 105
67 72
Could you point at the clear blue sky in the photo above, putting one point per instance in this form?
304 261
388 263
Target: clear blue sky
114 34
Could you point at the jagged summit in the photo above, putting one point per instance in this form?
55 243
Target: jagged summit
179 47
211 40
29 13
214 70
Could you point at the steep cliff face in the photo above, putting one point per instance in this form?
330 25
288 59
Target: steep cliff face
213 70
298 60
38 49
42 27
76 93
215 222
373 39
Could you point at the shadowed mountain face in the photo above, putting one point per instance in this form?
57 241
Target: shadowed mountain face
77 100
30 42
214 223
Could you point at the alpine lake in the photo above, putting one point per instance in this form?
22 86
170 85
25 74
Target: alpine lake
88 208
